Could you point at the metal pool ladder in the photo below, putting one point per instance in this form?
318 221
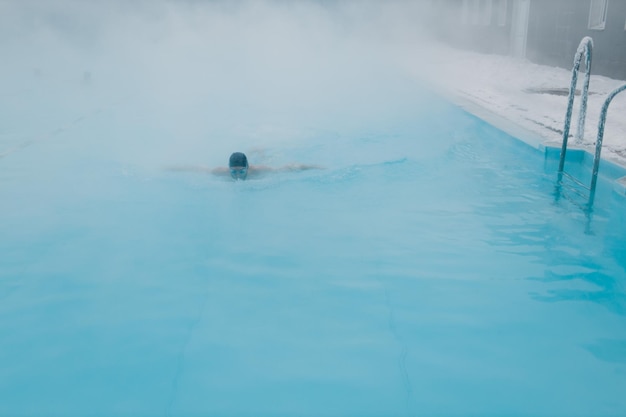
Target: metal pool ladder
596 158
585 48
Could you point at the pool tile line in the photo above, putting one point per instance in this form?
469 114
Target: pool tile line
180 358
404 373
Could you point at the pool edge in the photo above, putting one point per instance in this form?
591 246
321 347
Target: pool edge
614 170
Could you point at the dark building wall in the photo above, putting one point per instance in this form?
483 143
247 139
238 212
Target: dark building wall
556 28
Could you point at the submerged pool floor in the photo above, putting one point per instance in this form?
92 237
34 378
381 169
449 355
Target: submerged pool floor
425 270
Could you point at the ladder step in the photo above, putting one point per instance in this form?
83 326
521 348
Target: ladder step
578 192
575 180
578 204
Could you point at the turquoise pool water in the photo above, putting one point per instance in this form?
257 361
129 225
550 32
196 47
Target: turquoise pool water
426 270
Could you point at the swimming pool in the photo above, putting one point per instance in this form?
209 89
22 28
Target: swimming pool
426 270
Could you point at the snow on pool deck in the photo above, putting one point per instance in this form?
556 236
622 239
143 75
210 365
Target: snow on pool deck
508 87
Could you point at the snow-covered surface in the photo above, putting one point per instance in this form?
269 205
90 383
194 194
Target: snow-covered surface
508 87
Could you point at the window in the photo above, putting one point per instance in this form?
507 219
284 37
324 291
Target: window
501 9
466 11
597 14
485 12
475 12
470 12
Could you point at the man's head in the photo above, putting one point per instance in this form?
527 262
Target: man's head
238 165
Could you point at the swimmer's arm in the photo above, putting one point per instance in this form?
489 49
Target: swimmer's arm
220 171
299 167
198 168
291 167
260 169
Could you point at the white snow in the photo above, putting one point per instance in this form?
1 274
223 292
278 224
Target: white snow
504 86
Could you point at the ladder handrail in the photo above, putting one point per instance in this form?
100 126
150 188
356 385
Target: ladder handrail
596 158
584 48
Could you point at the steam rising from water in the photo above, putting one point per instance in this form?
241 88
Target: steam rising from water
183 81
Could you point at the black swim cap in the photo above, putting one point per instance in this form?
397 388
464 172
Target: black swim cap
238 159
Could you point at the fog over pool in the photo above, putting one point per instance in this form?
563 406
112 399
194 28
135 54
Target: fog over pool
203 77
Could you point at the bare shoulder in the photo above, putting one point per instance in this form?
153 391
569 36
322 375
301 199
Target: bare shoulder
220 171
261 168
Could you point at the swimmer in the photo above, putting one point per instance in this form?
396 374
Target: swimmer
239 169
